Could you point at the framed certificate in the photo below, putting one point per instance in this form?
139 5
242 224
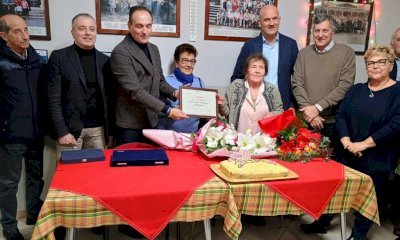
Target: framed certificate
198 102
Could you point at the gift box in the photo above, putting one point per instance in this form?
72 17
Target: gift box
81 156
148 157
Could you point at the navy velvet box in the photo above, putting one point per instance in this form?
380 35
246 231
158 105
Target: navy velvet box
84 155
150 157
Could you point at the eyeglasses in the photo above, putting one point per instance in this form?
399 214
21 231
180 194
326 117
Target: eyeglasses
187 61
380 62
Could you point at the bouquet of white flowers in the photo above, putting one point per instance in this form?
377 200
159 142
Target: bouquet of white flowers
219 139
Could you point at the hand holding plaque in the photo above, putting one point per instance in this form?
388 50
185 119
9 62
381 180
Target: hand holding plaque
198 102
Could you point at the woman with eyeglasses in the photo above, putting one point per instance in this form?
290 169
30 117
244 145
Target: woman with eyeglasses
368 121
185 60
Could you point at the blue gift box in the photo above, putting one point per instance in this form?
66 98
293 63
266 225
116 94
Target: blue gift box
83 155
148 157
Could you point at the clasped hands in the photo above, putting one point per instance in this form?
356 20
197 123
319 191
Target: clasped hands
311 115
356 148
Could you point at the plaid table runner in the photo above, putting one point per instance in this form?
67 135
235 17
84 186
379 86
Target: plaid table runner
215 197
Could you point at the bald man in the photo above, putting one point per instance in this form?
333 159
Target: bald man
20 134
280 51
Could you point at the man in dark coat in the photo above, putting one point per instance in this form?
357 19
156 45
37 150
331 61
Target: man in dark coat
79 90
136 65
20 134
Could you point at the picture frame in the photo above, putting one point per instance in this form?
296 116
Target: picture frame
44 56
225 21
352 21
112 16
35 13
198 102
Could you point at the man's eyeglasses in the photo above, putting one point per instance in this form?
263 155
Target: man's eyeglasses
380 62
187 61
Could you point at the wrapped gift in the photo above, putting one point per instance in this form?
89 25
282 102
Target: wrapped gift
148 157
81 156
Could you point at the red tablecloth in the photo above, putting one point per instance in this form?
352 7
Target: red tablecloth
317 183
145 197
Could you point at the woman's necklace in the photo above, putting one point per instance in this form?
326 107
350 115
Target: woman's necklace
253 104
371 94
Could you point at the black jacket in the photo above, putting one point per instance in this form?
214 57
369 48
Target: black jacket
19 96
67 92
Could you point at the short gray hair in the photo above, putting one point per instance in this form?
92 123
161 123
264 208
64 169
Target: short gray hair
82 15
322 18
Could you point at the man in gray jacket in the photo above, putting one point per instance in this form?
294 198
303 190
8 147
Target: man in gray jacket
136 64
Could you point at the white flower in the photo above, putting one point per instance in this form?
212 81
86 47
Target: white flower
260 146
269 141
230 136
245 142
213 135
249 132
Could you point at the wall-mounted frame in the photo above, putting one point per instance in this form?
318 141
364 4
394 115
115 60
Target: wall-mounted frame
44 55
35 13
233 20
352 21
112 16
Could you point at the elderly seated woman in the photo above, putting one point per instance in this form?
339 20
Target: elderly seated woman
251 99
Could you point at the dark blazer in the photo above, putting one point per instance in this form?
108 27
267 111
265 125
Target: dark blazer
393 73
66 92
288 51
139 85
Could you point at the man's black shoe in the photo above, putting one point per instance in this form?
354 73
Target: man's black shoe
255 220
314 227
16 236
31 221
353 237
98 230
129 231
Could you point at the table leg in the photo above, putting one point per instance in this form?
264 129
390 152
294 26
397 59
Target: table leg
207 229
70 233
343 225
167 232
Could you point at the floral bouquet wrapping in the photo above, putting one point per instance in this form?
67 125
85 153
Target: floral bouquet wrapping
170 139
219 139
295 141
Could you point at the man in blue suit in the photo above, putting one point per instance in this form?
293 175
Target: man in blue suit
395 43
280 50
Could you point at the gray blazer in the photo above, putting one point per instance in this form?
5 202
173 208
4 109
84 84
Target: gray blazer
139 85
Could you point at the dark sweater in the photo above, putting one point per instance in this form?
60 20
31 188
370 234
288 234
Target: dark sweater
94 111
361 116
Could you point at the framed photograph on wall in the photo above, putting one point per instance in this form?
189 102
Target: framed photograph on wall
35 13
233 20
44 56
112 16
352 21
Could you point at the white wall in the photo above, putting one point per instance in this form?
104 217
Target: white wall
216 59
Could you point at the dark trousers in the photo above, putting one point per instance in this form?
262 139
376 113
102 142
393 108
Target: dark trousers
11 156
330 130
362 224
127 135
